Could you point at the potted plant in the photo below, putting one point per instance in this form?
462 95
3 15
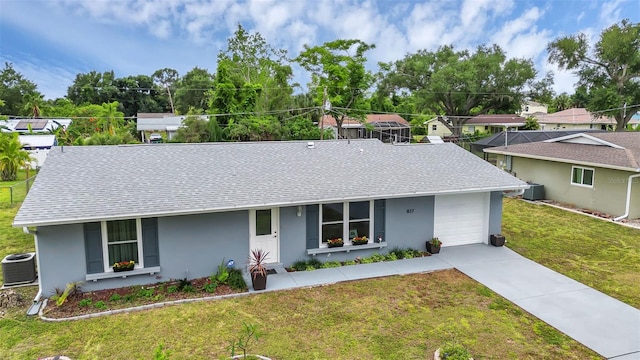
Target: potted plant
497 239
359 240
124 266
433 245
257 269
335 242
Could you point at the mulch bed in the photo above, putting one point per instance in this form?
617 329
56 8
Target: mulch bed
104 300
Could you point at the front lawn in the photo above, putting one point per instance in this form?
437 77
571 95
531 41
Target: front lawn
398 317
597 253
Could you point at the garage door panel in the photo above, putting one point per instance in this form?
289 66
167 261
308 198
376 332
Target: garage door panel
461 219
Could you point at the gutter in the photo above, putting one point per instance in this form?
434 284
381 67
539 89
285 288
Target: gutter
496 150
65 221
628 205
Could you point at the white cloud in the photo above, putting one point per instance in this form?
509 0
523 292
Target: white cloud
611 12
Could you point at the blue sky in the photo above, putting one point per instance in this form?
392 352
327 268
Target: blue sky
50 41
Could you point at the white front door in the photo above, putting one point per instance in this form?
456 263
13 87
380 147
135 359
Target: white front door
263 227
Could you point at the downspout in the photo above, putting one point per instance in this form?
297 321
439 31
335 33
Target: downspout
628 206
26 230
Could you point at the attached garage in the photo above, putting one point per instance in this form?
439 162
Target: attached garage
461 219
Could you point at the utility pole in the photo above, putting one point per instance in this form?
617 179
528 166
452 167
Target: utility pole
324 106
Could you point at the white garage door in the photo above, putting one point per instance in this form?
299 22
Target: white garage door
461 219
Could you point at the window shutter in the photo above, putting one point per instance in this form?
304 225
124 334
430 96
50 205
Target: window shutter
150 242
379 219
313 237
93 247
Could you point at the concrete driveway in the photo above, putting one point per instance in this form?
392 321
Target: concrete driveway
606 325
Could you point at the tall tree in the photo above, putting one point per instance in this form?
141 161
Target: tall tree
192 90
34 105
460 84
610 70
138 94
93 88
560 102
13 87
167 78
338 75
12 156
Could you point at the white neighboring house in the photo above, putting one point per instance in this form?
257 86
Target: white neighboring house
149 123
38 147
574 119
531 108
33 126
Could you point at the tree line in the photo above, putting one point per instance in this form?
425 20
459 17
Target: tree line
252 96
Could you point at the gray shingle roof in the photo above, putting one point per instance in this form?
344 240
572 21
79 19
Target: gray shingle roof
628 157
111 182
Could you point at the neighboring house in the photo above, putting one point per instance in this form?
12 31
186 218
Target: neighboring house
596 171
532 108
178 210
168 123
388 128
33 126
574 119
481 123
520 137
38 147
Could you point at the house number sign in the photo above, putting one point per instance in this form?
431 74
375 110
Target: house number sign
410 211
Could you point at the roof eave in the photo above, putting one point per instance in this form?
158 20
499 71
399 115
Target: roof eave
68 221
562 160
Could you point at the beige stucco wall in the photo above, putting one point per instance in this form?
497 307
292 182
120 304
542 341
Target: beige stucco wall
554 126
608 194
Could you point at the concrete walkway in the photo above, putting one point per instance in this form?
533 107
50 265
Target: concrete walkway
608 326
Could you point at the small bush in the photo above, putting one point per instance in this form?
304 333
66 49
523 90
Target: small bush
115 297
309 268
398 252
377 257
454 352
145 293
366 260
173 289
100 305
85 302
390 257
331 264
210 287
317 264
299 265
188 288
236 280
350 262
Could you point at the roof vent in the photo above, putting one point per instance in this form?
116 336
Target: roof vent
311 145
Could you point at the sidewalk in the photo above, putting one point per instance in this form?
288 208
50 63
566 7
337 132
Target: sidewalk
608 326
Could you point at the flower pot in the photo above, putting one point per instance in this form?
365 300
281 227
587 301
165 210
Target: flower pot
359 242
259 281
432 249
335 245
496 240
120 269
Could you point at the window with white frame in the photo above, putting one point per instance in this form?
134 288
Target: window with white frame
122 241
582 176
346 220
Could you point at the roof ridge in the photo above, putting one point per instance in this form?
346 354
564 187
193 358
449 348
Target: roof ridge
632 158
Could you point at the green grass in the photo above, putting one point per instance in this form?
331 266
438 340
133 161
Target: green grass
597 253
399 317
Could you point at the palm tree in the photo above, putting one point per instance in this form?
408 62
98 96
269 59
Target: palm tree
34 104
12 156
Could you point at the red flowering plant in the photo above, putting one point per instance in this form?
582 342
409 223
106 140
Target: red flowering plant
359 240
335 242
